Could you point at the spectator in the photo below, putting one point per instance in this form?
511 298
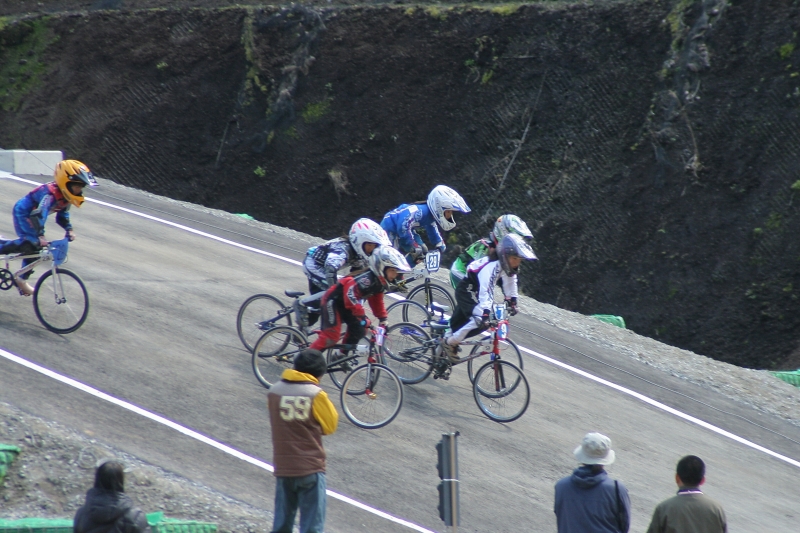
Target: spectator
589 501
690 511
108 509
300 414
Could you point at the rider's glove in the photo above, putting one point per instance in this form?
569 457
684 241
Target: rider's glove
364 321
42 241
513 308
330 278
485 318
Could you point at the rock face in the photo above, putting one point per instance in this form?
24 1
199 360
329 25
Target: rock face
651 146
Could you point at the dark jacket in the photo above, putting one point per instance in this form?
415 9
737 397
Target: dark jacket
587 503
107 511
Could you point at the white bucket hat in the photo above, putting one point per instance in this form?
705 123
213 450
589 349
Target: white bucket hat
595 449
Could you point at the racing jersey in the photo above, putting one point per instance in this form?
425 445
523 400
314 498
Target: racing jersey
351 290
326 259
476 250
482 275
40 202
401 222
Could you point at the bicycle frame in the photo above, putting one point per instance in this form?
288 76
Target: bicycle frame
52 253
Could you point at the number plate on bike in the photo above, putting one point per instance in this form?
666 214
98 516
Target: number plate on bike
432 261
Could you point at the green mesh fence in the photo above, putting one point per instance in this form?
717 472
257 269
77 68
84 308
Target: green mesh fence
792 377
7 455
158 523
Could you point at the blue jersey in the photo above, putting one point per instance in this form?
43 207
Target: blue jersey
401 223
40 202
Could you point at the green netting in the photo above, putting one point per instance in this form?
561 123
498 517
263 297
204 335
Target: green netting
612 319
158 523
7 455
792 377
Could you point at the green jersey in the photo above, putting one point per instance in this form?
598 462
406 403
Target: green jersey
476 250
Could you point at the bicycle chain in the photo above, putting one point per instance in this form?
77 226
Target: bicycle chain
6 279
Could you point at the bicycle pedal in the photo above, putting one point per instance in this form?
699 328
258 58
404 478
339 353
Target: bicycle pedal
284 358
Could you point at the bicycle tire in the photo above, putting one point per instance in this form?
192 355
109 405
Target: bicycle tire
405 354
338 376
274 352
367 404
509 351
440 296
408 311
504 404
65 308
257 309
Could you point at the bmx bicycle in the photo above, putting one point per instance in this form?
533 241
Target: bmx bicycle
499 387
60 300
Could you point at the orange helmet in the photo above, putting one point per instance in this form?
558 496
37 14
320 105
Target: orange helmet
69 173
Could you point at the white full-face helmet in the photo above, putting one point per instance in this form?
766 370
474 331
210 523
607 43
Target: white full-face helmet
513 245
385 257
443 198
365 230
508 224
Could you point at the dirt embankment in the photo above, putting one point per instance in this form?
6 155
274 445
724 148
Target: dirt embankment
652 146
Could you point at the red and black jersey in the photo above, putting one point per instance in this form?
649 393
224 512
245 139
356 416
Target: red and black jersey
350 290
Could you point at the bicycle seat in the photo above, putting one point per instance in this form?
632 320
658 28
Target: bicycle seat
438 327
293 294
436 308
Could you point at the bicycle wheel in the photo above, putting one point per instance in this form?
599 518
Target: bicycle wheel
61 302
440 294
501 391
405 352
408 311
253 312
337 373
274 352
369 402
508 352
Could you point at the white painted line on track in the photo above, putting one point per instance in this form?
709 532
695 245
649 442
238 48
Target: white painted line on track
193 434
543 357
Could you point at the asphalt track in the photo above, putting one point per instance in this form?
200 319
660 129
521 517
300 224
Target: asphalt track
161 336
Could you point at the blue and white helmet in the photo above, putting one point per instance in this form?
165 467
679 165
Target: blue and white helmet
443 198
384 257
513 244
508 224
365 230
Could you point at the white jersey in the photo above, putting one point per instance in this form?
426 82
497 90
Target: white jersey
484 274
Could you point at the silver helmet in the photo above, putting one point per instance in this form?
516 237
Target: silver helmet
513 245
385 257
508 224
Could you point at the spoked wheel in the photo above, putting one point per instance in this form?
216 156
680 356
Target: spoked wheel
254 311
501 391
408 311
60 301
508 352
275 351
405 352
334 353
441 296
369 402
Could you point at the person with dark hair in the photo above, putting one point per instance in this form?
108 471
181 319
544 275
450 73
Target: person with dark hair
108 509
589 501
690 511
300 413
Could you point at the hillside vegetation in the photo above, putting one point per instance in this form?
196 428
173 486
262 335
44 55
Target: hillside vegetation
652 146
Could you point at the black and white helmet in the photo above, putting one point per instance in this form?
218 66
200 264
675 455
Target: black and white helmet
513 245
365 230
508 224
442 198
384 257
